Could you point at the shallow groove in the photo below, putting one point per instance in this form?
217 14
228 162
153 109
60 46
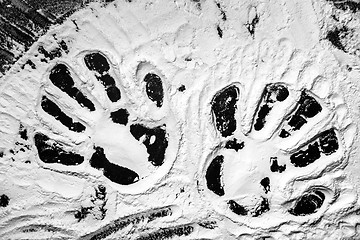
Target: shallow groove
326 143
60 76
50 152
271 94
123 222
98 63
52 109
168 233
307 107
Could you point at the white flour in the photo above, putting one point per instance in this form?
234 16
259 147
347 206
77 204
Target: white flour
197 49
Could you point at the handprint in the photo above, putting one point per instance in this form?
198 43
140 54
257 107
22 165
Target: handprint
124 148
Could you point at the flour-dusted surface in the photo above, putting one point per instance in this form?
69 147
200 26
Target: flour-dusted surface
184 119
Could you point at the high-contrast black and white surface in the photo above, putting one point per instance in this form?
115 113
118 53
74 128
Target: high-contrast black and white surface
181 120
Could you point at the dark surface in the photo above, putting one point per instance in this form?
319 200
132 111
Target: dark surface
120 116
82 213
234 144
50 152
260 121
157 149
223 107
275 167
182 88
208 224
305 157
23 132
271 94
60 76
219 31
54 53
284 133
309 203
98 63
52 109
222 12
113 172
326 143
155 139
307 107
250 26
168 233
4 200
263 207
237 208
23 22
265 182
346 5
213 176
154 88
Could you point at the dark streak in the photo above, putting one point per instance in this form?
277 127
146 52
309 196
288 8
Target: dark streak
123 222
208 224
168 233
250 26
219 31
64 46
41 227
223 15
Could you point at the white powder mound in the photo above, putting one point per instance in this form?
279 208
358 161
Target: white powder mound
183 120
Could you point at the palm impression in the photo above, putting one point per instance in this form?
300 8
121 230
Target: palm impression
113 141
273 151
